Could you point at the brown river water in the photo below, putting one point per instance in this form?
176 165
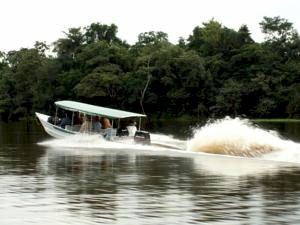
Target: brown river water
84 180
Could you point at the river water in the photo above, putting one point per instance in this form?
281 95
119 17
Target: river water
84 181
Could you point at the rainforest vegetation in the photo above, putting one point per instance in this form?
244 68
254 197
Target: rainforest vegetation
215 72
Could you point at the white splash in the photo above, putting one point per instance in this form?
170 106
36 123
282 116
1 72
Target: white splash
239 137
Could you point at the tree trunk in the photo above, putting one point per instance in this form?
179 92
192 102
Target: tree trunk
146 87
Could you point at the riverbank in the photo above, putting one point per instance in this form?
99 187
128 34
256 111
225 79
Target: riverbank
287 120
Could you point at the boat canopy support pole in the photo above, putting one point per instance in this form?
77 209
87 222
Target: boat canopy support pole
140 123
73 118
55 118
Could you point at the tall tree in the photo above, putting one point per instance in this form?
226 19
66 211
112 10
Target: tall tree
101 32
277 29
68 48
280 36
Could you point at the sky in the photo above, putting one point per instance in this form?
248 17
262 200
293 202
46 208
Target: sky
23 22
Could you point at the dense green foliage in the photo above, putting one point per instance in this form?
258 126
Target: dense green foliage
217 71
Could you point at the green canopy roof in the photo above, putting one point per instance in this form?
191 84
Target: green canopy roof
96 110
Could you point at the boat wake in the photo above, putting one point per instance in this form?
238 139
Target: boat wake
87 141
226 147
239 137
226 137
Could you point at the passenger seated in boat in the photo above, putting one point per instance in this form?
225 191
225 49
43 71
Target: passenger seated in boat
78 118
65 121
105 123
131 127
54 120
96 124
86 125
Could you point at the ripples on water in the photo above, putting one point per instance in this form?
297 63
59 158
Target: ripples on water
59 183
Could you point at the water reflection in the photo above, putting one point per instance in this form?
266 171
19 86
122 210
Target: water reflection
125 186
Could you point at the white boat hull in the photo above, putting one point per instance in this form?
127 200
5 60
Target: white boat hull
109 134
53 130
59 132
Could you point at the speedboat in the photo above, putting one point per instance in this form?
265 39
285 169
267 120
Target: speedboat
122 124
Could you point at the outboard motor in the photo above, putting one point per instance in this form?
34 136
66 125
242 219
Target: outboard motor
142 137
